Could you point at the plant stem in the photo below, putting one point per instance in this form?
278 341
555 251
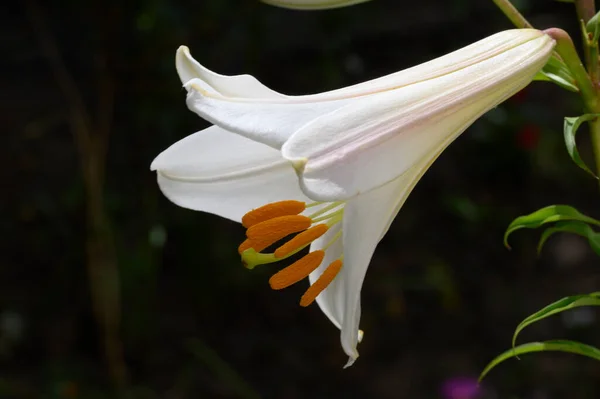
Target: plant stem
91 138
587 88
566 49
585 9
513 14
592 59
595 136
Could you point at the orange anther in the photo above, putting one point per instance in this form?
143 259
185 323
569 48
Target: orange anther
255 244
247 244
297 271
272 210
322 282
273 230
302 239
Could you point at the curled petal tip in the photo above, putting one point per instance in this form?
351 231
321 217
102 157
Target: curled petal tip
157 163
351 361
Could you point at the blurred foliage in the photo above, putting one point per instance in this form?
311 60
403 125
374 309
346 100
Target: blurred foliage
442 296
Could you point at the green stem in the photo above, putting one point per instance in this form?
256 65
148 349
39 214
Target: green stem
566 49
512 13
585 9
587 88
592 61
595 135
518 19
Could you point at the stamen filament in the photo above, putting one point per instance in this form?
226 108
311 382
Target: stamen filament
313 204
271 211
325 209
322 282
333 239
337 215
304 238
297 271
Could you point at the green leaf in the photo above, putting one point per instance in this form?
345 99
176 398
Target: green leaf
570 129
575 227
556 71
549 214
559 306
592 26
556 345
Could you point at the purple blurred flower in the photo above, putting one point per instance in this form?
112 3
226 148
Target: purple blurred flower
460 388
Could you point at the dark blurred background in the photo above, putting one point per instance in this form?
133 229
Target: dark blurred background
109 290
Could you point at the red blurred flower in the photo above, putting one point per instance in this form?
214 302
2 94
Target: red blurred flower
528 137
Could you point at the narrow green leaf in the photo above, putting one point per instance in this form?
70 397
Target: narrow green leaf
592 26
557 345
575 227
556 71
549 214
559 306
570 129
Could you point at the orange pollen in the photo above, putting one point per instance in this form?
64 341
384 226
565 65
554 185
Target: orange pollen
297 271
272 230
247 244
302 239
322 282
257 245
271 211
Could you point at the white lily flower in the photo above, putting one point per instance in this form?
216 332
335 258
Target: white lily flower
312 4
334 167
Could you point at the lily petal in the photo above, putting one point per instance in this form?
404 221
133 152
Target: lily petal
464 57
370 142
472 79
331 300
268 122
224 173
366 220
312 4
234 86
